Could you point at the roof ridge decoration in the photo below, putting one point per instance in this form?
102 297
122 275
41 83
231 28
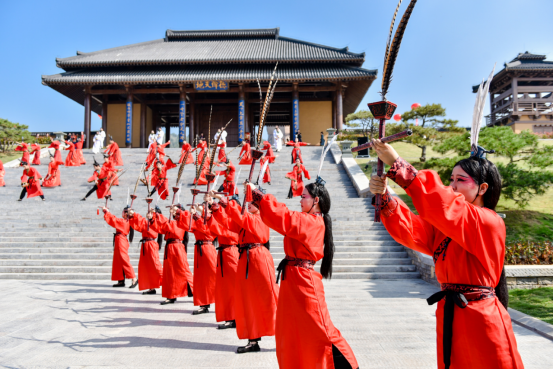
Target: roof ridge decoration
529 56
172 35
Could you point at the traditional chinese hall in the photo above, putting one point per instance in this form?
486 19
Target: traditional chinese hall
175 81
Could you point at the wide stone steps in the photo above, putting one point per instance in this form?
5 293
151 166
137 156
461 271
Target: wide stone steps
64 238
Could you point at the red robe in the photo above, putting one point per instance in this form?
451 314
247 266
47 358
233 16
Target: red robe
71 160
115 154
79 152
53 178
256 296
149 267
32 177
161 181
267 173
104 179
221 156
121 264
292 143
205 167
205 260
297 184
227 265
482 331
184 149
296 154
304 332
151 154
25 148
36 151
177 278
161 150
57 154
2 174
247 157
110 167
229 185
269 153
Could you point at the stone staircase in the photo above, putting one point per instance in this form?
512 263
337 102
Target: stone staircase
64 238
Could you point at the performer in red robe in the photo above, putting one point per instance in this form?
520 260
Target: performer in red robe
186 148
79 149
304 332
269 153
221 157
102 177
2 174
205 260
121 264
267 173
30 181
227 265
53 178
25 149
245 154
114 153
36 151
108 166
161 181
151 158
71 159
57 153
458 227
256 292
149 268
161 150
296 153
177 278
297 184
204 162
229 178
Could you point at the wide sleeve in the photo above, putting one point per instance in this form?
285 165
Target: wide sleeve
138 222
221 216
159 223
248 222
306 173
36 174
220 229
293 224
117 223
183 219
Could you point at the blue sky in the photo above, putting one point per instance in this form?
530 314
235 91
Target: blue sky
448 47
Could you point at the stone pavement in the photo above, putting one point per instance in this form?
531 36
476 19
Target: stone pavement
78 324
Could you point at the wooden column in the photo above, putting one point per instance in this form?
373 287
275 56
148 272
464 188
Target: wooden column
86 130
242 114
129 118
105 115
182 115
295 112
143 132
335 110
338 100
192 131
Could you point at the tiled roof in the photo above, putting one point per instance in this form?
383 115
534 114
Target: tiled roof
201 47
231 73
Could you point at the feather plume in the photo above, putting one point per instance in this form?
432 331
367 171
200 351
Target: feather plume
214 185
261 97
478 109
262 171
390 33
128 194
394 48
267 101
324 151
237 177
212 158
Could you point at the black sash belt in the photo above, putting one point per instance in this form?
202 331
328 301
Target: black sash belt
220 252
198 245
288 260
459 294
246 247
115 235
144 240
167 242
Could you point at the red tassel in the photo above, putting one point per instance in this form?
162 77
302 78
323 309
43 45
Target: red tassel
98 211
248 197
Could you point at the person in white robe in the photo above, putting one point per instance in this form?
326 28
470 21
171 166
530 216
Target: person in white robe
151 139
97 143
278 139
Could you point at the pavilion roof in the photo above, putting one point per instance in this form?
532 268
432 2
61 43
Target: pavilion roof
212 47
230 73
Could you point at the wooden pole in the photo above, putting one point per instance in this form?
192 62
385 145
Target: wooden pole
339 107
143 125
105 116
86 129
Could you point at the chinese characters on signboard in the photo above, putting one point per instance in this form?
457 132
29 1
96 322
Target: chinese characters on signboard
128 123
182 124
241 120
295 122
211 86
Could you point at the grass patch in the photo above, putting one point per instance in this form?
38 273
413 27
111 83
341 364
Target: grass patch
9 156
528 225
536 302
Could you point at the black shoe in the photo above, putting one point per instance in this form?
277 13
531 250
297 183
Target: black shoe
202 310
20 200
149 292
120 284
251 347
84 199
133 285
168 301
227 325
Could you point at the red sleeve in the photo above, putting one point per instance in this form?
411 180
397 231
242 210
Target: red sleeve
138 222
220 215
220 229
306 173
183 220
119 224
247 221
159 223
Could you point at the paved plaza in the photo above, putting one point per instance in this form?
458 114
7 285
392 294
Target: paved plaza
89 324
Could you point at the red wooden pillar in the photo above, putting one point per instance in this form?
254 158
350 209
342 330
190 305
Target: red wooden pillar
86 129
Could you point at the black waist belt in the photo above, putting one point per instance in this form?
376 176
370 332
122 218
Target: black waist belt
169 241
288 260
115 235
142 241
459 294
198 245
220 252
246 247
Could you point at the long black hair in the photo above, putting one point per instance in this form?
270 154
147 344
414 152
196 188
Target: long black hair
320 191
483 171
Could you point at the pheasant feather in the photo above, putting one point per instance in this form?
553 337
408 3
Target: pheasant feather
478 109
390 33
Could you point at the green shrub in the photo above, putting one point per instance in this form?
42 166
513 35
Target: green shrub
528 253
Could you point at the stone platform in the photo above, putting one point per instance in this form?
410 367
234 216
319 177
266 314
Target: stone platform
89 324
